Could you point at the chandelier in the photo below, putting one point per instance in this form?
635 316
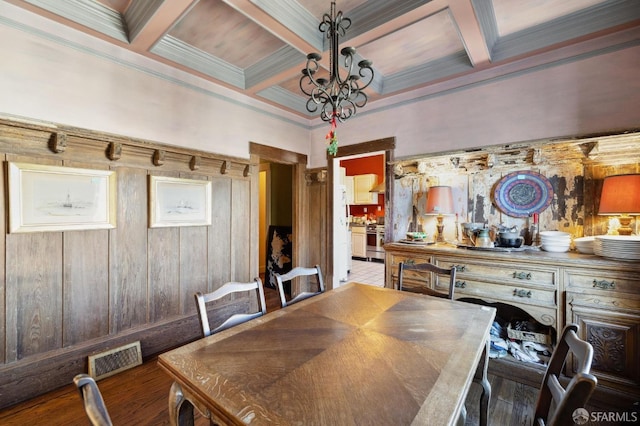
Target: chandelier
340 96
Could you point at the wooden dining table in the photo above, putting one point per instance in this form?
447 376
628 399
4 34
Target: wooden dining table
357 354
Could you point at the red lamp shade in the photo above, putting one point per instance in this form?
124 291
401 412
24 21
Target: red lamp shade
439 200
620 195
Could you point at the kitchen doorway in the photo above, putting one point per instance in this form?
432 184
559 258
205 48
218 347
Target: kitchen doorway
334 211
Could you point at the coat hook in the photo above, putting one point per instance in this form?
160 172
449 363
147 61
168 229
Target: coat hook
59 142
194 164
158 157
115 151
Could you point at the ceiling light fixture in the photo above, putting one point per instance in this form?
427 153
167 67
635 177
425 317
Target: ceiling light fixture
340 96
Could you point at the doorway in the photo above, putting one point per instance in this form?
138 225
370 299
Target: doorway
279 185
385 146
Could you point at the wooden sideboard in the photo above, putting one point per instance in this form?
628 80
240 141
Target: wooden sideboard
602 296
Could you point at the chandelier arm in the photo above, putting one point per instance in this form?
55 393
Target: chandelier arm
339 96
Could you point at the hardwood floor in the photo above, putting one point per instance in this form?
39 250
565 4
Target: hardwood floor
140 396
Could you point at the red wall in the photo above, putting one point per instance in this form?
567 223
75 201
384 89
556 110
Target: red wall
361 166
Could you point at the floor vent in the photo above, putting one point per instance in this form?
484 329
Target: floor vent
108 363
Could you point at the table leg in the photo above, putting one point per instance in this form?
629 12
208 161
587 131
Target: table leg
180 408
481 378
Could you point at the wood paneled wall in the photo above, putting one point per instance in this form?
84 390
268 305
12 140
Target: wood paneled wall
71 294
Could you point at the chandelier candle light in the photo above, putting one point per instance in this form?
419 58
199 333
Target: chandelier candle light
439 202
339 96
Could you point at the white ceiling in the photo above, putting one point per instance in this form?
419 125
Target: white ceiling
259 47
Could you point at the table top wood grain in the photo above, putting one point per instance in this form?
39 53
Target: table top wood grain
354 355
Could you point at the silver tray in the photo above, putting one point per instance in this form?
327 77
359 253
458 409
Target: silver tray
416 242
507 249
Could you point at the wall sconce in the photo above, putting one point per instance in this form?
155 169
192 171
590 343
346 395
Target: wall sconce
439 202
621 196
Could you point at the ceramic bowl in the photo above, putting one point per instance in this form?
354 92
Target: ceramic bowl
510 242
556 248
555 235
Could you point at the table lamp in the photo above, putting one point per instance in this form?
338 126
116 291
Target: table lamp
439 202
621 196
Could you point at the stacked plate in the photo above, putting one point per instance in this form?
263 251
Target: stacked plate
555 241
620 247
584 244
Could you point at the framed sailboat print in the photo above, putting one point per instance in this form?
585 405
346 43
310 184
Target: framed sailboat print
179 202
44 198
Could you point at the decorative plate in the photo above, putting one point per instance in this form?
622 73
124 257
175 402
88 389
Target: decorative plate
520 194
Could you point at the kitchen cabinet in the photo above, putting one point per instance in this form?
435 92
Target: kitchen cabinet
601 295
362 184
359 241
349 183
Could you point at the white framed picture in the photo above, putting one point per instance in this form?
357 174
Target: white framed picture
179 202
53 198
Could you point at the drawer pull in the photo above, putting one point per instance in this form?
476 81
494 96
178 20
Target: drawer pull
604 284
522 293
410 261
461 284
459 268
522 275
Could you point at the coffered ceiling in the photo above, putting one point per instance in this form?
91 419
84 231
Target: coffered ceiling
259 47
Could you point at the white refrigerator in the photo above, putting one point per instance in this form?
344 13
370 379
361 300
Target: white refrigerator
341 235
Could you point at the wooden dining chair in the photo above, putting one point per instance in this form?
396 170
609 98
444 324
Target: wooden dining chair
313 274
202 300
579 388
92 398
481 374
426 268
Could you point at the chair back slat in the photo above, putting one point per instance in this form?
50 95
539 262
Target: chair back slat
427 268
580 387
298 272
202 299
94 405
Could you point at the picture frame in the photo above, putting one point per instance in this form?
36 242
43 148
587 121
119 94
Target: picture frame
179 202
44 198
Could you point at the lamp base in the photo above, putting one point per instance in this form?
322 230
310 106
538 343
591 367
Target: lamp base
625 225
440 228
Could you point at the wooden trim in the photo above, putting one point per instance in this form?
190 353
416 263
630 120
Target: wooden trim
276 155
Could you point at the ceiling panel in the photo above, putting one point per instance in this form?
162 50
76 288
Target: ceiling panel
429 39
218 29
513 16
258 47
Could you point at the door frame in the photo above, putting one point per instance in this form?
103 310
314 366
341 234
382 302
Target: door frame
299 224
387 145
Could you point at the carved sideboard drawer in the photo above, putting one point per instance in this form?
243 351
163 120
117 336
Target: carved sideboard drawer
499 272
628 304
515 294
396 259
602 280
539 303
